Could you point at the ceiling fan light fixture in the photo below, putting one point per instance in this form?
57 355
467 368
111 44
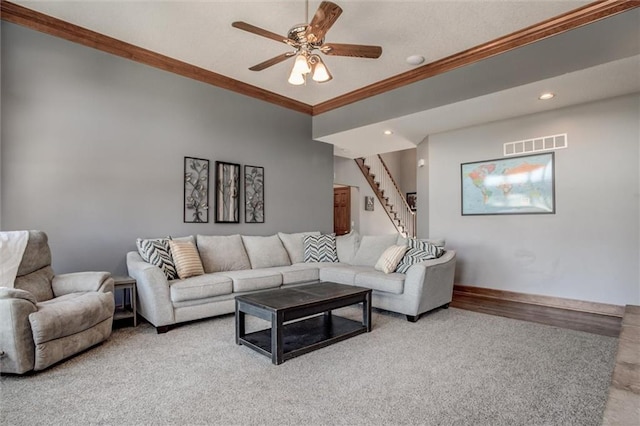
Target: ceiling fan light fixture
296 78
301 65
307 38
320 73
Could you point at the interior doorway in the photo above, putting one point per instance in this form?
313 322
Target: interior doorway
341 210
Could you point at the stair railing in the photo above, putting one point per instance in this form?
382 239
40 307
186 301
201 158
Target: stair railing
389 194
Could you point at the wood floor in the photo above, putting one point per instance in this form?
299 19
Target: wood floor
592 323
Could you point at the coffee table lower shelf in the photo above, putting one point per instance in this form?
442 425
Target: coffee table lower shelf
306 335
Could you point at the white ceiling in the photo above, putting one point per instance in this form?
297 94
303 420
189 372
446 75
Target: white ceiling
199 32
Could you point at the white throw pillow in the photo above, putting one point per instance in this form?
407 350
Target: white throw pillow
389 260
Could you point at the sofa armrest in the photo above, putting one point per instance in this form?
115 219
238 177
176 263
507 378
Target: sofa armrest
154 296
430 283
17 350
79 282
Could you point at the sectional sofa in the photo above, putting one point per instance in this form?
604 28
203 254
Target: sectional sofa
236 264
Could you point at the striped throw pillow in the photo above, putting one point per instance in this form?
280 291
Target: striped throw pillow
157 252
186 258
418 251
320 248
389 260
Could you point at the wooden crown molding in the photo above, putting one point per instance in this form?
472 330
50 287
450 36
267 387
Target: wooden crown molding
557 25
20 15
29 18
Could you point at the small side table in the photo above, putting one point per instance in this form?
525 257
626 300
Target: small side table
127 285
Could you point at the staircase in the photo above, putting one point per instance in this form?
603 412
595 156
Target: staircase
388 192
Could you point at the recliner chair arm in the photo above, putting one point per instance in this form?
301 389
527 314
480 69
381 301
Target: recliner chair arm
78 282
16 340
15 293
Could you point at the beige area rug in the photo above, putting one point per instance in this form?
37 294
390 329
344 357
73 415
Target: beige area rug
452 367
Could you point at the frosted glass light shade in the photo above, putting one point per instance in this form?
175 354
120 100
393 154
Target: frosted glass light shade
301 66
320 72
295 78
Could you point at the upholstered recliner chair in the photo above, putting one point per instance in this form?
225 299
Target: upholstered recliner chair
45 318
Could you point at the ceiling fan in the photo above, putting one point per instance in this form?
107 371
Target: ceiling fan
306 39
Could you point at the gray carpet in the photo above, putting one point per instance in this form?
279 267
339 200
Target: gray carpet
451 367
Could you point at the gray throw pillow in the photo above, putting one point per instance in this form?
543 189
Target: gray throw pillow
372 247
265 252
222 253
347 246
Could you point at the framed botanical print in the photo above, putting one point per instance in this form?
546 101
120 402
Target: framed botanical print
253 194
227 192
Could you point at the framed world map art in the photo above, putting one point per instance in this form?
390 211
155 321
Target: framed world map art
511 185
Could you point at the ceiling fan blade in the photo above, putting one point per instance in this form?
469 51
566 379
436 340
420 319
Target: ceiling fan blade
272 61
259 31
326 15
357 50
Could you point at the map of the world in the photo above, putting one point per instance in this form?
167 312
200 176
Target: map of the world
509 186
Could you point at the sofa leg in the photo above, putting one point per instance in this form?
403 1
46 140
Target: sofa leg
162 329
412 318
446 306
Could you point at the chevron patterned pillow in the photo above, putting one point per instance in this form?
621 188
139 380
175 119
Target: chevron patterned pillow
158 253
320 248
417 252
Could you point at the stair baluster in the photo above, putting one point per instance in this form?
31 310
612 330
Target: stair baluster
388 193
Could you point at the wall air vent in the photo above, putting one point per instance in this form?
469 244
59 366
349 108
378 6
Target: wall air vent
544 143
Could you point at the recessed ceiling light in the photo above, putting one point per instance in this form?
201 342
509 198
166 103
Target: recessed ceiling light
546 96
415 60
388 132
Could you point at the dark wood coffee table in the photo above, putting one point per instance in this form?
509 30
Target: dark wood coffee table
288 338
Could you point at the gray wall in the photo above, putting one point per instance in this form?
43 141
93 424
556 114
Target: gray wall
93 147
589 249
403 167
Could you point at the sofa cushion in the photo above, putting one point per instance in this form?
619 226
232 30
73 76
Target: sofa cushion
371 248
342 273
200 287
417 252
347 246
294 244
265 252
158 253
389 260
70 314
298 273
253 279
320 248
222 253
186 258
389 283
